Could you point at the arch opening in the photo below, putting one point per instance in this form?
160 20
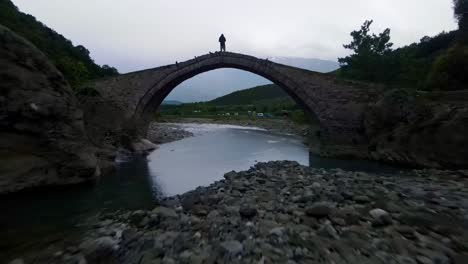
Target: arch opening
163 88
148 106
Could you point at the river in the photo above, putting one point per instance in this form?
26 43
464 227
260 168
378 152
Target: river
34 219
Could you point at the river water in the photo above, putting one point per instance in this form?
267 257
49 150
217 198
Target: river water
183 165
28 221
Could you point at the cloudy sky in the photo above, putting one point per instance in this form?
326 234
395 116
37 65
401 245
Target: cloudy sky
138 34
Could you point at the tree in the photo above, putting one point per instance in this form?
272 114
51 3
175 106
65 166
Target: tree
368 60
83 51
449 71
109 71
461 13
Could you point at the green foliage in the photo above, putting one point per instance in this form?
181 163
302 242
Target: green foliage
425 65
268 99
450 70
87 91
461 14
298 116
74 62
368 60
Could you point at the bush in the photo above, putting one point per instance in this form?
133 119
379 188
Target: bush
298 116
87 91
450 70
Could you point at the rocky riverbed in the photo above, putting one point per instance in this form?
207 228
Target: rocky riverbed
283 125
160 133
282 212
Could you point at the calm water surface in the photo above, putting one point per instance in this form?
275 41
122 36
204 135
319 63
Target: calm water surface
28 221
183 165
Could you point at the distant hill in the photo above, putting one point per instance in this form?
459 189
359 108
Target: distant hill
251 96
171 102
73 61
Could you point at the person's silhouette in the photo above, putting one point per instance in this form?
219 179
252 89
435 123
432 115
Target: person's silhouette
222 42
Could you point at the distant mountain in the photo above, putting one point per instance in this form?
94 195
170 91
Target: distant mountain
171 102
213 84
308 64
251 96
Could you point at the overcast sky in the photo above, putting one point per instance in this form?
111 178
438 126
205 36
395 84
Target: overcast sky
139 34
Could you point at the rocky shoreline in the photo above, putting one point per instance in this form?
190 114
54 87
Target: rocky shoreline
283 126
282 212
160 133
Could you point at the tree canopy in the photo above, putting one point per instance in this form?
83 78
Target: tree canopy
368 60
434 63
461 13
73 61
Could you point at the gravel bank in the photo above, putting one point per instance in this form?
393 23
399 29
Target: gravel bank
283 126
282 212
160 133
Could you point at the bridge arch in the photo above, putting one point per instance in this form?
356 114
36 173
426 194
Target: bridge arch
184 71
339 106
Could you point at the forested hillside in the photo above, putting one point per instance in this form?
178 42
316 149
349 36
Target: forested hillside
251 96
73 61
434 63
268 99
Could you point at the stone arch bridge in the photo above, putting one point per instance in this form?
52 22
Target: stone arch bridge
129 100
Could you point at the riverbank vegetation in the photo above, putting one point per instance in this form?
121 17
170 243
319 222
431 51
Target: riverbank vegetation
73 61
261 102
434 63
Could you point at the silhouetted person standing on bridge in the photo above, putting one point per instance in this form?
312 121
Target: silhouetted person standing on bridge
222 42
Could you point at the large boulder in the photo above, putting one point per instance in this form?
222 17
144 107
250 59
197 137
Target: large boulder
427 129
42 137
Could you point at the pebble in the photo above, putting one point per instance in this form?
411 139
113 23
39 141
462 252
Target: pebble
380 217
319 210
232 247
248 212
295 215
361 199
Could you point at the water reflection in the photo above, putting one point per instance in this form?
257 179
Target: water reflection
29 221
33 220
183 165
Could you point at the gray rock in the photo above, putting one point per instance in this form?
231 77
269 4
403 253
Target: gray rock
277 231
460 259
247 212
165 212
100 250
137 216
406 231
362 199
17 261
230 175
233 247
327 230
319 210
380 217
424 260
